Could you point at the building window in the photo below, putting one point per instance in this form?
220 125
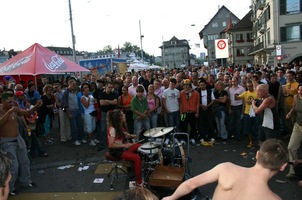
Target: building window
215 24
239 38
223 24
239 52
291 33
290 7
210 37
268 37
249 37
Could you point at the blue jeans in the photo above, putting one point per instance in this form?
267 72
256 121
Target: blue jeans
20 162
220 122
76 125
140 124
173 120
154 117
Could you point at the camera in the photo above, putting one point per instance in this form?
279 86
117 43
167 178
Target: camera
258 102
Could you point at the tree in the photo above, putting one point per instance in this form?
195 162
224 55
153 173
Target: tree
107 49
127 47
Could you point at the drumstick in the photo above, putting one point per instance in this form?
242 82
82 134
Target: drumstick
140 141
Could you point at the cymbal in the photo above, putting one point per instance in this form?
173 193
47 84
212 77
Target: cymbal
152 131
149 145
163 131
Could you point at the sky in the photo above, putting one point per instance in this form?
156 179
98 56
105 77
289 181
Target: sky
98 23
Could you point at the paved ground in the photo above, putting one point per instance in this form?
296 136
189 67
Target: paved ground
53 182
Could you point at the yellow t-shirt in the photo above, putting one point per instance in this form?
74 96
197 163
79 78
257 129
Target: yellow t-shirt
247 95
289 91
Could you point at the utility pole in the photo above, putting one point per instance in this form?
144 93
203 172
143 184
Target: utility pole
72 34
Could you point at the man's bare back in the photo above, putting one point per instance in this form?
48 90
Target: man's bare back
236 182
241 183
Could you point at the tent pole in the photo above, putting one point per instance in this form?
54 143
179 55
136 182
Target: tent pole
36 82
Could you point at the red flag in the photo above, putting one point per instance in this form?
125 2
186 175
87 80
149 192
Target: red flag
230 24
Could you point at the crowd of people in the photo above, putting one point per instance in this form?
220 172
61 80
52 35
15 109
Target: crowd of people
208 103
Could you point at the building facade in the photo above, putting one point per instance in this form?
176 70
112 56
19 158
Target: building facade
175 53
212 31
276 25
240 41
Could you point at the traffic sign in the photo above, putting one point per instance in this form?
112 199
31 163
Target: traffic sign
221 48
278 50
221 44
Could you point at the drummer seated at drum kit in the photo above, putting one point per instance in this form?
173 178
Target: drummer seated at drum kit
118 145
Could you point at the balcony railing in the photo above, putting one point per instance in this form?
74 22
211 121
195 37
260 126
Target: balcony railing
256 48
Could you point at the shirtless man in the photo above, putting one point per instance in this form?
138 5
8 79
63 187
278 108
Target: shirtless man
233 179
12 142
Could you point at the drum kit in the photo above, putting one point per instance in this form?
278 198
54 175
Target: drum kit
155 152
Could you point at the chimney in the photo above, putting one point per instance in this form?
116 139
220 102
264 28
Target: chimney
218 7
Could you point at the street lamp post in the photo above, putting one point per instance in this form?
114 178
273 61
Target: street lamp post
141 39
72 34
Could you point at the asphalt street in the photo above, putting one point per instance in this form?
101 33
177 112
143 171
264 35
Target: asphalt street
53 181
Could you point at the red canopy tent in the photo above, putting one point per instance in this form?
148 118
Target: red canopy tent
39 60
35 61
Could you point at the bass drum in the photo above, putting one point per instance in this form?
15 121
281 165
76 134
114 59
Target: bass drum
167 157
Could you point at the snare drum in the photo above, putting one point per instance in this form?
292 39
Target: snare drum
149 151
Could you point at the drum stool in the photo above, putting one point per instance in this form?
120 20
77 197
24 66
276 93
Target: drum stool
115 168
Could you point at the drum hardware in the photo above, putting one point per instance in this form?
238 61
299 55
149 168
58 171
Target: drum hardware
151 151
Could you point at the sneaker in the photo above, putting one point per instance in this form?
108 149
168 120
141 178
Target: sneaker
142 184
13 193
96 141
84 141
49 142
92 143
77 143
193 143
32 185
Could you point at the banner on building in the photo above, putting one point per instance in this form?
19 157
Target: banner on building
221 48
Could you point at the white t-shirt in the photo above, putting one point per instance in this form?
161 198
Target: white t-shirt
172 97
204 97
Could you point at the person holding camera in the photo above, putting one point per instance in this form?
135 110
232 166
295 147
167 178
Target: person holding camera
267 108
